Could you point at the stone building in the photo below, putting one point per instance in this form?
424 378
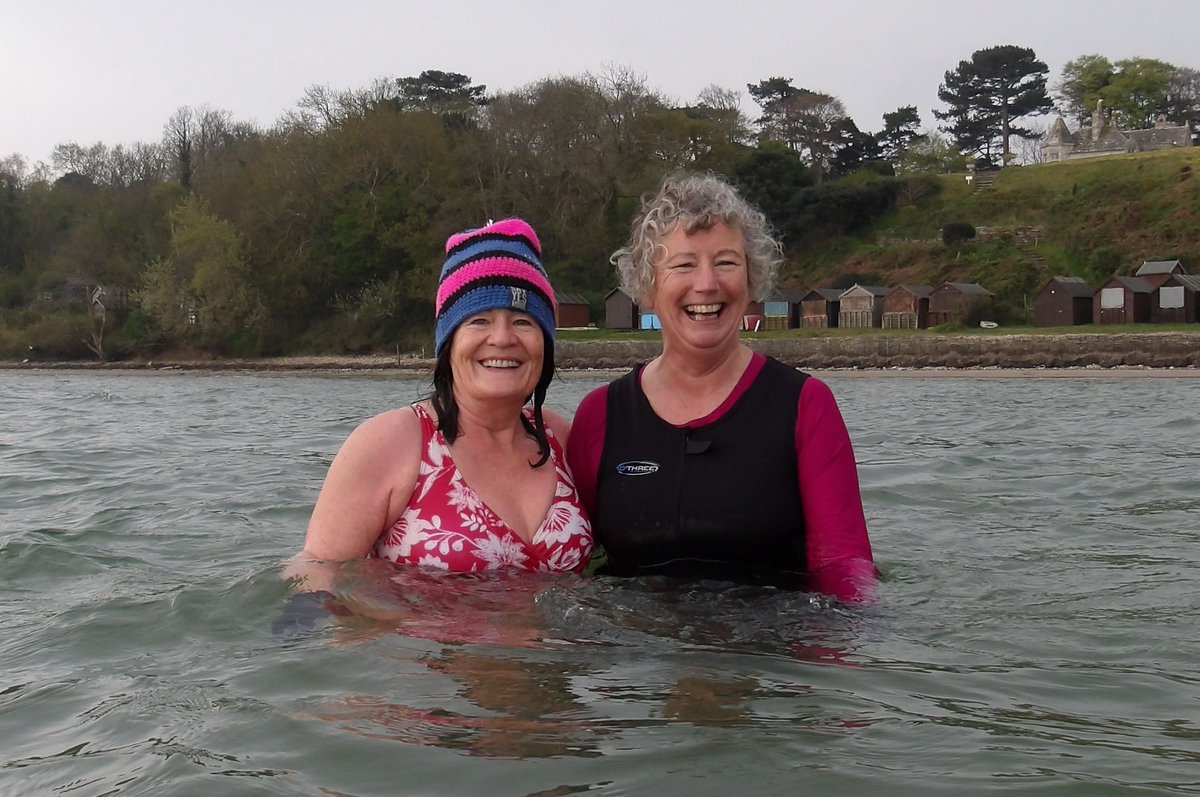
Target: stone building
1103 136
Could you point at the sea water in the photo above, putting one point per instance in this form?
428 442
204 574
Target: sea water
1036 631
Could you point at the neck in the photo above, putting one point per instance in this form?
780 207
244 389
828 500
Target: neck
500 420
683 390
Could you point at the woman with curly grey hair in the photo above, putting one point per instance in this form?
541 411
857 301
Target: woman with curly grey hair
713 460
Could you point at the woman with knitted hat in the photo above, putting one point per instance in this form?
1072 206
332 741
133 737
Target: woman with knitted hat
474 478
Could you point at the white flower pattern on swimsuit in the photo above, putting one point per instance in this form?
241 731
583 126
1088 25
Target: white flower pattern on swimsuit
448 526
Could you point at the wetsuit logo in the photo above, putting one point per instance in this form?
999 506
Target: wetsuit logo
637 468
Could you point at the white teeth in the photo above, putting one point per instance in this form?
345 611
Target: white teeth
500 364
703 309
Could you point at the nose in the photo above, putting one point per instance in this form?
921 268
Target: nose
500 332
705 278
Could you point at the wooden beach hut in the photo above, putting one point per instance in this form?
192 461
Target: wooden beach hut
781 310
1157 272
966 303
620 310
861 306
1122 300
819 308
573 311
1176 301
1063 302
907 307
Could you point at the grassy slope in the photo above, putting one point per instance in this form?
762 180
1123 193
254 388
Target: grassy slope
1098 217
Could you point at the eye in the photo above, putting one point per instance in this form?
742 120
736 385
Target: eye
477 321
523 321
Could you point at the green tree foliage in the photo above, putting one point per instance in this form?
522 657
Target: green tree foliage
1183 98
956 232
987 94
901 129
809 122
931 153
1079 87
1137 91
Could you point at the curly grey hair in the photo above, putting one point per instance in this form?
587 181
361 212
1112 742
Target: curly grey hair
697 201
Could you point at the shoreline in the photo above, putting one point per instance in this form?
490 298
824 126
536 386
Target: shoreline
364 365
1174 354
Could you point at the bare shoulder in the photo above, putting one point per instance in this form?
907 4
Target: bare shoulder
557 424
383 435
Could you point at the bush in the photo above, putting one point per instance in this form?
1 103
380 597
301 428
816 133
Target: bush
956 232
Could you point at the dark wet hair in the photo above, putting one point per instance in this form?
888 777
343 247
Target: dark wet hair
446 408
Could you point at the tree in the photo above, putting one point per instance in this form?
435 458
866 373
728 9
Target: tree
1183 97
808 122
723 107
901 128
853 148
987 94
1138 90
450 95
931 153
191 138
1079 87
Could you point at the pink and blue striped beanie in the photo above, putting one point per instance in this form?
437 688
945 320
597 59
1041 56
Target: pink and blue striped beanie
497 267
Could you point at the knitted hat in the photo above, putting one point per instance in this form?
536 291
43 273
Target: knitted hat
497 267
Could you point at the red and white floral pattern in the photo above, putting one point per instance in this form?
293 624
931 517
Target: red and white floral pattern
448 526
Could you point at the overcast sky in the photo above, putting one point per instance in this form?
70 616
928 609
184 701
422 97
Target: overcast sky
87 72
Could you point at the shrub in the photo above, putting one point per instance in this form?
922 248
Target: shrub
956 232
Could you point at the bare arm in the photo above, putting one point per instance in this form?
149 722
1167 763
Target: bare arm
367 487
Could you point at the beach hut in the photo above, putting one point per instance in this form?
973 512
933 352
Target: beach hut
1122 300
819 308
907 307
620 310
1176 301
573 311
1063 302
1157 272
965 303
781 310
861 306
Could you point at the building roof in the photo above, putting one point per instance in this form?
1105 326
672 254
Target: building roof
1135 284
828 294
1189 281
1160 137
1059 133
619 290
920 291
1076 286
567 297
1158 267
874 290
969 288
789 295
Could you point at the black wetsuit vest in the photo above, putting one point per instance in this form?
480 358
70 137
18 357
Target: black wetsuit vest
718 501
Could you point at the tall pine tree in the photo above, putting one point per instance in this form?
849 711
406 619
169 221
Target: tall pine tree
988 93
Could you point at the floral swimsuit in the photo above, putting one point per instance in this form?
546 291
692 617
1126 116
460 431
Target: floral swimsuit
448 526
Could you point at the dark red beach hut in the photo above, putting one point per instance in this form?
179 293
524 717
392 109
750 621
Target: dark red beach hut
1122 300
907 307
573 311
961 302
620 310
1176 301
1063 302
819 308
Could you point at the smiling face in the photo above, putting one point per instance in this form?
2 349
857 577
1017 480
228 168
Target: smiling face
701 288
496 354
